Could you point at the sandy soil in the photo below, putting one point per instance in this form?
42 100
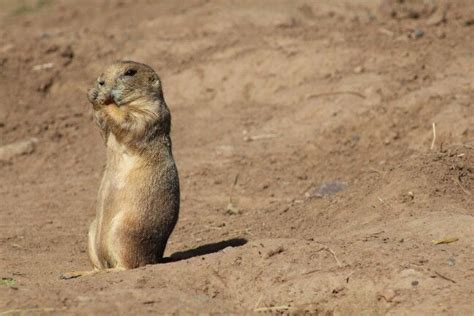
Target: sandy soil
270 101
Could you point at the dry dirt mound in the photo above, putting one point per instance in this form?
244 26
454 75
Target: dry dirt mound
322 148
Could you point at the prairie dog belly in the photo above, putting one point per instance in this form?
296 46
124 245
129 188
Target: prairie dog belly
119 200
139 203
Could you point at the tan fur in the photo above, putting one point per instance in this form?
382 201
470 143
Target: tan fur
138 201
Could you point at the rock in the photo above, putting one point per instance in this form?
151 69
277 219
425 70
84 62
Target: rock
451 262
232 209
13 150
416 33
43 66
6 48
359 69
326 188
273 252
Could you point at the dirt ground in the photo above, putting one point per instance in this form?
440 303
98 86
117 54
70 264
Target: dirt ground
275 105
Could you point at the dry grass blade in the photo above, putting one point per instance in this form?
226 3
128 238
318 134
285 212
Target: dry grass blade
445 240
326 248
434 136
384 202
28 311
461 186
324 94
258 302
272 309
260 137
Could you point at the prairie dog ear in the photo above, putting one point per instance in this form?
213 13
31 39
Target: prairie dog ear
155 81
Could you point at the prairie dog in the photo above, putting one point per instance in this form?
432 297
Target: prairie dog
138 200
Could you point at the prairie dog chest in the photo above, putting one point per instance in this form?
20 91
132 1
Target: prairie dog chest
121 163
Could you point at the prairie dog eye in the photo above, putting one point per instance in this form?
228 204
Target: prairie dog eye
130 72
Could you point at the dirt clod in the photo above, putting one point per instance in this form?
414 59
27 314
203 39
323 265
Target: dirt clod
25 147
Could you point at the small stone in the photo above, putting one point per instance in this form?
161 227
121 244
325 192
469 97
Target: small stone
232 209
415 283
359 69
43 66
326 188
273 252
24 147
451 262
6 48
416 33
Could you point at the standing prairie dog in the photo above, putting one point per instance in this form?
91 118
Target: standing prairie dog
138 201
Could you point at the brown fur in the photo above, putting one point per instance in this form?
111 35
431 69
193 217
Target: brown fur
138 201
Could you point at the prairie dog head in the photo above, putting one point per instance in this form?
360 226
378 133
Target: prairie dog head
124 82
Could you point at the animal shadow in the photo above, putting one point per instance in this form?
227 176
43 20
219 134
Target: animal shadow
205 250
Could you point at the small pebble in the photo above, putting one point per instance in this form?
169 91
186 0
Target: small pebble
417 33
359 69
451 262
24 147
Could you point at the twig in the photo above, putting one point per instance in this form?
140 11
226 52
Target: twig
259 137
326 248
386 32
349 276
275 251
460 185
382 173
272 309
236 179
213 227
311 271
375 170
241 231
445 240
377 233
444 277
307 188
258 302
43 66
434 136
32 310
323 94
383 202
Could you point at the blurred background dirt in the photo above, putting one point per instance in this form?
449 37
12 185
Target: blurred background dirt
304 136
